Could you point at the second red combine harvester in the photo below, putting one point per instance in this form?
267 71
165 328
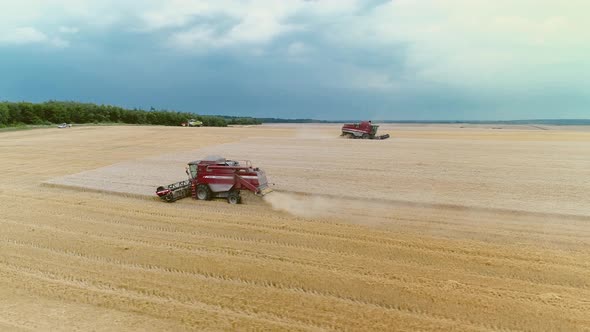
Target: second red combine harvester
214 177
364 130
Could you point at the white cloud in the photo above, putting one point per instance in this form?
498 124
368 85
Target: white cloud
256 26
480 43
188 23
67 29
30 35
297 49
255 21
59 42
198 36
472 44
171 14
248 32
468 43
23 35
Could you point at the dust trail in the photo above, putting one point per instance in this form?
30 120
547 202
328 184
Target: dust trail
301 205
317 206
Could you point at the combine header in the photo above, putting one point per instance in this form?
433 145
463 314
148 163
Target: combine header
364 130
217 177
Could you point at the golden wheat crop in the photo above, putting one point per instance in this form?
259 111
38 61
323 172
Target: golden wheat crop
454 229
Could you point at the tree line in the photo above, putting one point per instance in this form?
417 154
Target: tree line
54 112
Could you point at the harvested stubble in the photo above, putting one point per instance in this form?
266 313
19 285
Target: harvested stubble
75 259
458 172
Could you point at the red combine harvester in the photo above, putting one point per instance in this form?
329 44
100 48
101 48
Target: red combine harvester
217 177
364 130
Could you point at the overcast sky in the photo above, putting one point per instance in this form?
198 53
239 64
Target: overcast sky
323 59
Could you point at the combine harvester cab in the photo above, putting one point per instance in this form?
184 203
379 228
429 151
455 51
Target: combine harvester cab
217 177
364 130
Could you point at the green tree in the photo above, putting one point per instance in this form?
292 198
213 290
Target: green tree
4 115
69 111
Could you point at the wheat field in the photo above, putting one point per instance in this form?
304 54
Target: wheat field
438 228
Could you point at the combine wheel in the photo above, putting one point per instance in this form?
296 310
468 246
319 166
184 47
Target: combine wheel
234 197
203 192
365 136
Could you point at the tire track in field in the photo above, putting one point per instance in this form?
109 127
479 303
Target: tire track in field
339 283
156 216
548 228
484 263
403 276
412 311
378 243
485 222
330 227
525 228
348 261
315 303
576 229
105 295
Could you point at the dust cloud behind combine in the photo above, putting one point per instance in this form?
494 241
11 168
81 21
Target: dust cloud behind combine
309 205
354 211
298 205
437 228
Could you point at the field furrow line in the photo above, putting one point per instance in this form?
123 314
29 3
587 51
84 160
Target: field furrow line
158 306
313 304
376 291
576 277
518 227
392 240
296 254
501 291
565 238
390 244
